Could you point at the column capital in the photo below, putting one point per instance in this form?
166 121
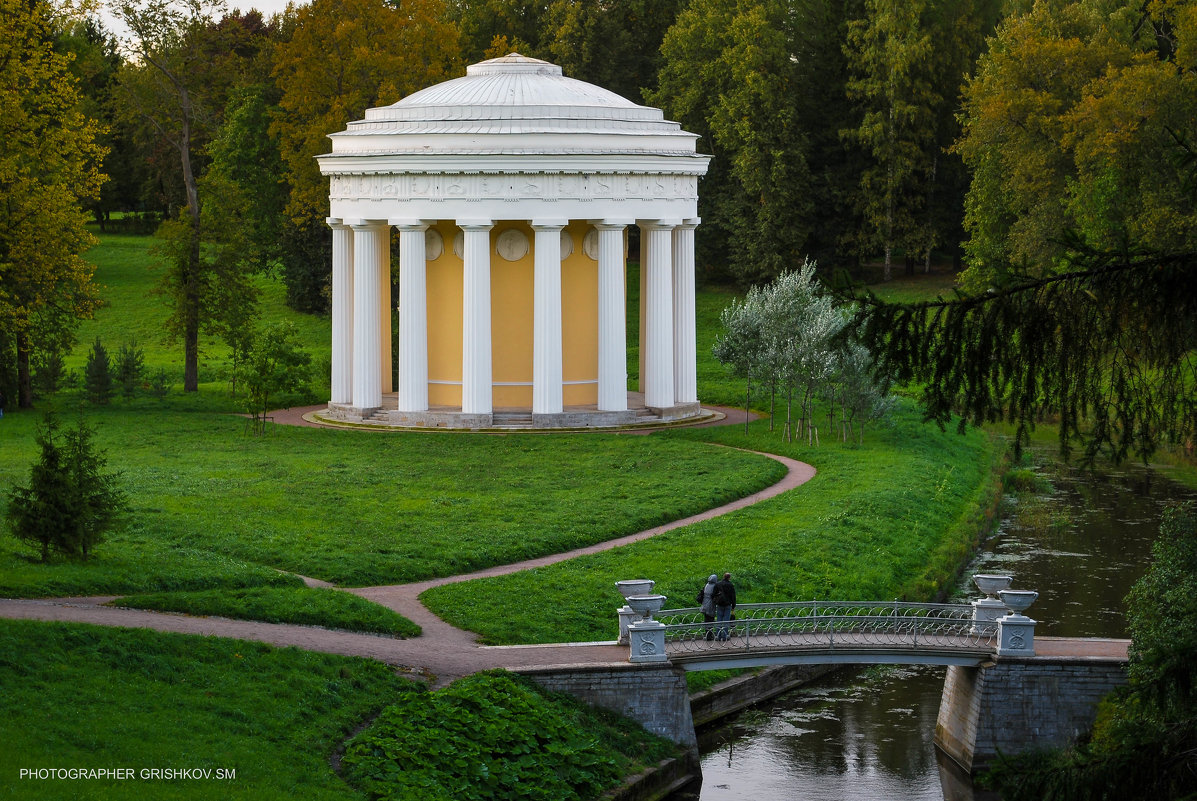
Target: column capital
611 224
690 223
476 225
335 222
408 224
659 224
548 225
367 225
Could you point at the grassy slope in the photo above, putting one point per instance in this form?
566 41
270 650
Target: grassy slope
80 697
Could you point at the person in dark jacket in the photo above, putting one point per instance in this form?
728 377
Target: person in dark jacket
725 604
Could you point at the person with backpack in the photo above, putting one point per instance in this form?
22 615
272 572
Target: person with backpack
725 603
706 603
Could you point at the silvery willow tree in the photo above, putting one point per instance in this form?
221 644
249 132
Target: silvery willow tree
790 336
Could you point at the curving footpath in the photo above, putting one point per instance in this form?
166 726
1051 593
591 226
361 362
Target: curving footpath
442 652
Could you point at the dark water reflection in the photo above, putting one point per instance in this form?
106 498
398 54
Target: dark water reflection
868 735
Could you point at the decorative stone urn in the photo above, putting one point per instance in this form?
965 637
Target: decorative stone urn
645 635
626 613
645 605
1016 631
635 587
991 584
987 610
1018 601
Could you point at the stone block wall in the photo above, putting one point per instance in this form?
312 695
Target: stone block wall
1021 704
653 696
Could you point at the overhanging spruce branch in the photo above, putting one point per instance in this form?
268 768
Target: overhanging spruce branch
1105 348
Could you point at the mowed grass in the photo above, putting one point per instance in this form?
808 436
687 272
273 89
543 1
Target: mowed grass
129 272
357 508
303 606
88 697
895 518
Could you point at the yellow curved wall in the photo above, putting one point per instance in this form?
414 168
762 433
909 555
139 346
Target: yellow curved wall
511 322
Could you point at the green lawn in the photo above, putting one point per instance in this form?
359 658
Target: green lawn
357 508
88 697
894 518
303 606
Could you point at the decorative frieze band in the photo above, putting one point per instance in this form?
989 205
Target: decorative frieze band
514 187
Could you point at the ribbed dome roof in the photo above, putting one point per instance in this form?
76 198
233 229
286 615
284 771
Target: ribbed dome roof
515 95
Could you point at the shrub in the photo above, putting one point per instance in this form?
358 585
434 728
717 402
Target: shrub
70 502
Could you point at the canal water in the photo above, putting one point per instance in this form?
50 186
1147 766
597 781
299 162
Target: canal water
867 735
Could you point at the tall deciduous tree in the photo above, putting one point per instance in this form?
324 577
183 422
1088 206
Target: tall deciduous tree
338 58
1080 118
163 84
762 82
889 51
49 164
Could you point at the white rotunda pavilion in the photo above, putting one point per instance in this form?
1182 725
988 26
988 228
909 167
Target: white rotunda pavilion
512 189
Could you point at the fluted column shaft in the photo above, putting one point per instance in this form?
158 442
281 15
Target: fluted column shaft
342 312
413 318
386 372
476 390
546 318
657 257
369 246
612 322
685 382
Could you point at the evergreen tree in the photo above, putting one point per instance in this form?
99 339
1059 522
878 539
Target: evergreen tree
130 366
97 375
70 503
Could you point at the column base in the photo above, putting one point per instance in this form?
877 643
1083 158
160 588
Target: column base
352 414
676 412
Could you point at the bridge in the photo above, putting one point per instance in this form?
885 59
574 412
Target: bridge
1004 691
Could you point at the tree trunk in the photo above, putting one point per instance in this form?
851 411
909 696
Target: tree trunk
24 377
191 280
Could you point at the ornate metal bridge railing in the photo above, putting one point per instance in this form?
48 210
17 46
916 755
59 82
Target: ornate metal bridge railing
828 624
994 623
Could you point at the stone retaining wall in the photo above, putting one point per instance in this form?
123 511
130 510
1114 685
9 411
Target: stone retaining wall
1021 704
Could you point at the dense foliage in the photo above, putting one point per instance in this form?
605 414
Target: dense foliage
49 166
1142 748
1080 127
495 736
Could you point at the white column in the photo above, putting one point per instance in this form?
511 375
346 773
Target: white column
342 312
386 372
612 319
685 382
476 390
369 244
546 318
413 317
656 245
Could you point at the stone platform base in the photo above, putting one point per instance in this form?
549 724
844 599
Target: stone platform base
573 418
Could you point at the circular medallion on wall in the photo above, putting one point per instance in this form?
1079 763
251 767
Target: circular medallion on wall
512 244
567 245
459 244
434 244
590 244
